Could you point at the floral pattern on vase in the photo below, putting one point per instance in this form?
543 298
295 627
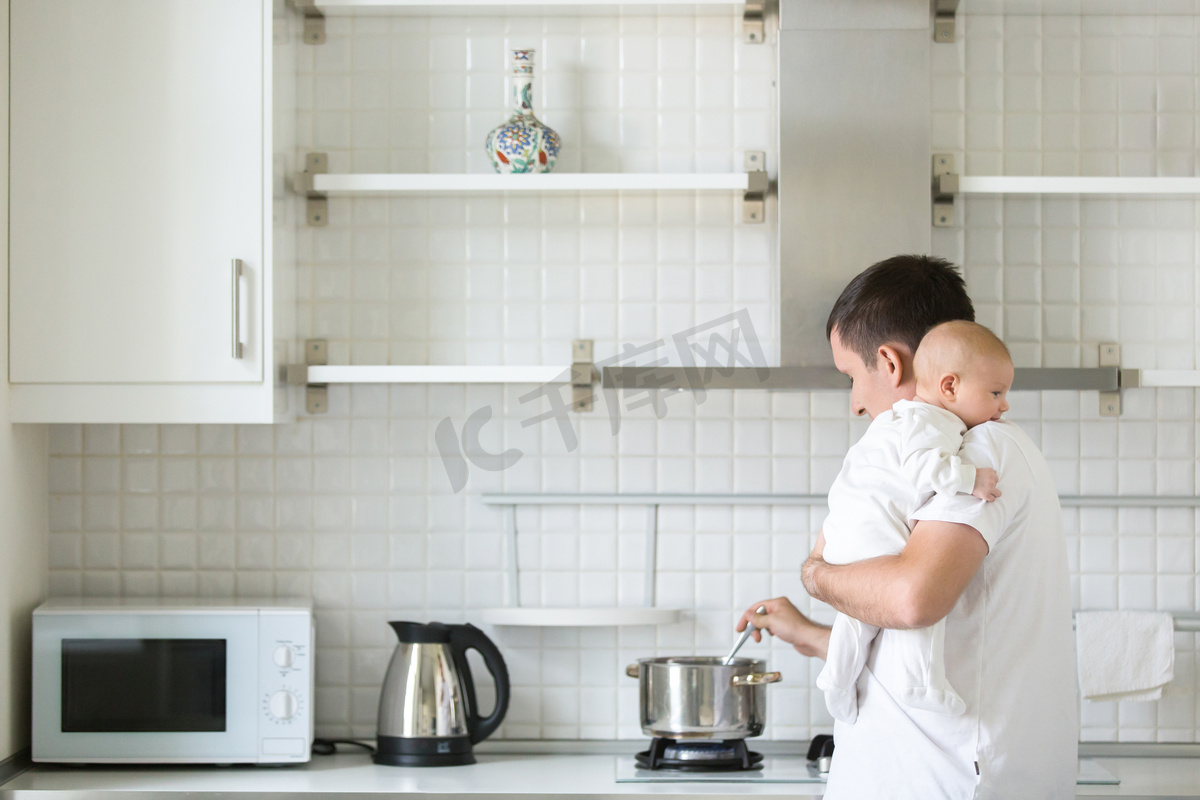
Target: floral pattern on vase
523 144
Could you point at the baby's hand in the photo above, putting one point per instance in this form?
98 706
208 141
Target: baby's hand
985 484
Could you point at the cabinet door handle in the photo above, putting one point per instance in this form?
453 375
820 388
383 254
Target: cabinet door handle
237 308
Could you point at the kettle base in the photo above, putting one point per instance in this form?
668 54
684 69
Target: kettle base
434 751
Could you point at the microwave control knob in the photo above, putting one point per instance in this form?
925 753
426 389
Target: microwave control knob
285 655
284 705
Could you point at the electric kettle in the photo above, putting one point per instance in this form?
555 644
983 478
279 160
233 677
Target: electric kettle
428 716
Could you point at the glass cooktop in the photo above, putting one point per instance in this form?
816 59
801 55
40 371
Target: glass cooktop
795 769
774 769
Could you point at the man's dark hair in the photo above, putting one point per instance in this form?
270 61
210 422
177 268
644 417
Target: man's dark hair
898 300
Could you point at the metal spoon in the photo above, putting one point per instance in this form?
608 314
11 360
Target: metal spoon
742 639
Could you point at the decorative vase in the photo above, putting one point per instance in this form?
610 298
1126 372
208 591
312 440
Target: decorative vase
523 144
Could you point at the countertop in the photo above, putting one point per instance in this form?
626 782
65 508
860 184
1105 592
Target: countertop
498 776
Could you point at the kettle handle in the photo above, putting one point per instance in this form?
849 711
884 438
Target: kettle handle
468 637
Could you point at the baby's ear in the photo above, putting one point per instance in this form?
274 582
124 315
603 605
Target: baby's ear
948 385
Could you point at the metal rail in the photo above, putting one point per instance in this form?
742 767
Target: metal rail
1184 620
617 499
1026 379
1187 621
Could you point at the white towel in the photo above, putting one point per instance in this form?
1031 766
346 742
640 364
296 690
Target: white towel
1124 655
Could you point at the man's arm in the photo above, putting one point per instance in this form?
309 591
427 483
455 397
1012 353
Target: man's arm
914 589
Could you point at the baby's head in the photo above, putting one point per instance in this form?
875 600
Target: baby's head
964 368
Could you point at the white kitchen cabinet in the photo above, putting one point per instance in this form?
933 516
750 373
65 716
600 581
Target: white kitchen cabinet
140 184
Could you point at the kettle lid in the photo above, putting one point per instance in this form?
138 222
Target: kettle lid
418 633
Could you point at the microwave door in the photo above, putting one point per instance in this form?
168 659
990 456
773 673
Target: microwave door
144 685
150 687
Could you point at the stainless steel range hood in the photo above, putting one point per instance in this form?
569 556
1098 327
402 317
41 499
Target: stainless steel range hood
853 174
853 183
854 142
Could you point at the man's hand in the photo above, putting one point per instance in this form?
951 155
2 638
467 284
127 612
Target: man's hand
784 621
985 484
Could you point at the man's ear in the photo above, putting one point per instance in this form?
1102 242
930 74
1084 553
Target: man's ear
948 386
888 361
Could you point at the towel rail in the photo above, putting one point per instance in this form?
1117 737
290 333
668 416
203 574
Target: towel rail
1185 621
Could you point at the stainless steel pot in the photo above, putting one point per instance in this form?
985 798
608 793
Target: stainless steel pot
700 697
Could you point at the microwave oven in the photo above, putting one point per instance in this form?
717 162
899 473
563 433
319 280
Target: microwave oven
172 681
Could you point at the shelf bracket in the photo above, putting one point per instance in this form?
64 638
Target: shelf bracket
943 21
317 204
314 21
316 395
583 376
1110 402
945 186
754 25
754 201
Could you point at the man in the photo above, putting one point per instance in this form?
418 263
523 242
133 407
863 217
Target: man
997 573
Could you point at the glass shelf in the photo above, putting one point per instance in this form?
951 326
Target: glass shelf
424 183
438 374
539 7
1006 184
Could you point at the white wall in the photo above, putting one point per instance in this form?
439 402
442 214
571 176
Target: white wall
22 501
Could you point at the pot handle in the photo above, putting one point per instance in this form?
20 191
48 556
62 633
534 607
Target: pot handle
632 670
755 678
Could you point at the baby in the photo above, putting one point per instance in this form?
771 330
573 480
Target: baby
963 374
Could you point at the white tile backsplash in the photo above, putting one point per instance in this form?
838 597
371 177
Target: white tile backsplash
355 509
421 280
361 535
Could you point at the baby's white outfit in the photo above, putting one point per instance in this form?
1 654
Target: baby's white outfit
907 454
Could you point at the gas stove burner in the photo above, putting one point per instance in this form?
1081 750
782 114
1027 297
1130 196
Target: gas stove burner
705 755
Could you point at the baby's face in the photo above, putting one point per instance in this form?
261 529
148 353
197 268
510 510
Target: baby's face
983 393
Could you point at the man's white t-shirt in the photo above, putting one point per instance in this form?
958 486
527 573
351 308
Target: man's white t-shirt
1009 652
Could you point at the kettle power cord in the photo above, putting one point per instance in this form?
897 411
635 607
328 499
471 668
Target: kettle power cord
328 747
